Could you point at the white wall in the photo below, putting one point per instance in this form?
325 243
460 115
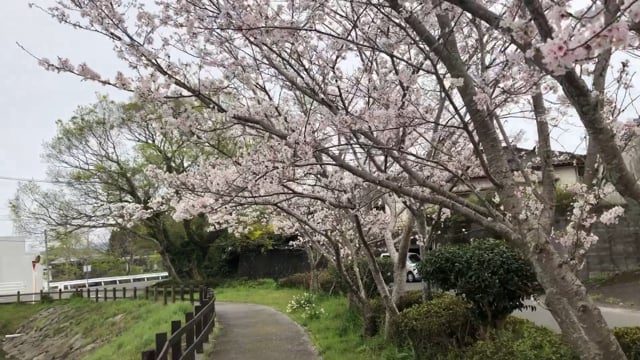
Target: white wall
15 266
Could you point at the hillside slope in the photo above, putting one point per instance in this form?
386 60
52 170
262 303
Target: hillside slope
81 329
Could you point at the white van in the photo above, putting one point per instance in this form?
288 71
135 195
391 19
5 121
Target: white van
412 266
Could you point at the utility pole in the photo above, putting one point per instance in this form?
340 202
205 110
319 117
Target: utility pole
46 254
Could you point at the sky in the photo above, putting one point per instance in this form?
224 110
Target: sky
31 98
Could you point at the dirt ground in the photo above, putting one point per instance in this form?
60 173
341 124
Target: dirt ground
619 290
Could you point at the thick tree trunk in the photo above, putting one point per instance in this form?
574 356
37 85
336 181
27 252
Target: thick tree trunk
590 164
166 261
161 237
580 320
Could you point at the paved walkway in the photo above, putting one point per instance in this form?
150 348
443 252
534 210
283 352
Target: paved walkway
259 332
615 317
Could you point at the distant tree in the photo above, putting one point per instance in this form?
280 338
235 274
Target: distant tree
105 165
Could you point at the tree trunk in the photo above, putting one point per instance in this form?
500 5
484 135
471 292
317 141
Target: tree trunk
590 164
161 237
166 261
369 323
580 320
381 286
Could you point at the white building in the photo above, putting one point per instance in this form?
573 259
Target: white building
17 270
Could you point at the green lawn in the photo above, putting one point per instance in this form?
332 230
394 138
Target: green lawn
337 334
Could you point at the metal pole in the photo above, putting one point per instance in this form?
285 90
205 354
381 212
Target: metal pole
46 254
33 295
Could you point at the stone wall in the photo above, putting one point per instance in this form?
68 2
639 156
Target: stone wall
619 246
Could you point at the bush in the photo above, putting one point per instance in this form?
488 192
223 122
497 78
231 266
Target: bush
76 295
46 298
519 339
409 299
487 273
212 283
305 303
326 281
629 339
299 280
435 327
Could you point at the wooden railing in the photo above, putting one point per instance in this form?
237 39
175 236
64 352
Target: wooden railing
185 341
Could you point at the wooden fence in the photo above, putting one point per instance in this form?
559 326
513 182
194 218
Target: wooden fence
154 293
185 341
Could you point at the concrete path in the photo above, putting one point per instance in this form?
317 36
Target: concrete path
615 317
259 332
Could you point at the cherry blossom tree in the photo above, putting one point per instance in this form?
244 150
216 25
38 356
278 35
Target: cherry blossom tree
409 96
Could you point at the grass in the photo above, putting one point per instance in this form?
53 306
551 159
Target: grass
125 328
136 323
12 315
337 334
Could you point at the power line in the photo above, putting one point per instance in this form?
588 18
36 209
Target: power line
54 182
12 178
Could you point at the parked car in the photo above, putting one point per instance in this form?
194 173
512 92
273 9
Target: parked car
412 266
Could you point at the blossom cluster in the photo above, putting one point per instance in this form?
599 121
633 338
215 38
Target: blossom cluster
307 305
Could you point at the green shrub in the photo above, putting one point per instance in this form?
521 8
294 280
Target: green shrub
409 299
519 339
46 298
435 327
326 281
487 273
211 283
378 311
629 339
299 280
307 304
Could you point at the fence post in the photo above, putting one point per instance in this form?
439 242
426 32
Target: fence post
41 293
149 355
124 292
173 294
113 290
104 292
176 347
155 294
199 348
190 331
97 294
181 292
191 294
18 297
146 293
161 339
164 295
135 293
88 293
205 323
59 294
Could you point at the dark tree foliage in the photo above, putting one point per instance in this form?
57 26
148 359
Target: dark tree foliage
494 278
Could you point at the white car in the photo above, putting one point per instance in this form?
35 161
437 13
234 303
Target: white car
412 266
